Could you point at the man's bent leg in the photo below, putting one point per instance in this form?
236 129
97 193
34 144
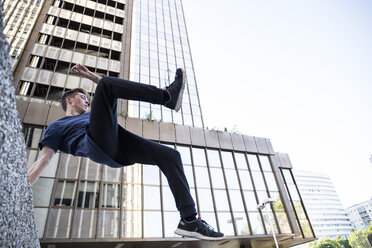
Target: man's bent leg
103 126
135 149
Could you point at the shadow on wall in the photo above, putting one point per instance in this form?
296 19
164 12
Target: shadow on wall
17 223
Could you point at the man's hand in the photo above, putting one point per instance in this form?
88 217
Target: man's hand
82 70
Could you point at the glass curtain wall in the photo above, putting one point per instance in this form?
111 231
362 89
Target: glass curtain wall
77 198
159 45
297 205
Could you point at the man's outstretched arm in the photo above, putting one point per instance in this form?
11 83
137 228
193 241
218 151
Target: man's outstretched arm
82 70
44 159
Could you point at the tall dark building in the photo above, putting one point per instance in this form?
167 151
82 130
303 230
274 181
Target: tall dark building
79 203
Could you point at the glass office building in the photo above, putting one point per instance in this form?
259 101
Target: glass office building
78 202
327 215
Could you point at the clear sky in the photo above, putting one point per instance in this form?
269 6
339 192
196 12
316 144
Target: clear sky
297 72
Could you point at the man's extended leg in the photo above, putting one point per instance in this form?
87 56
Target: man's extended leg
135 149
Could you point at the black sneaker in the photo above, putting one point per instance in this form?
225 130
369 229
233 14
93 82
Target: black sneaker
198 229
175 91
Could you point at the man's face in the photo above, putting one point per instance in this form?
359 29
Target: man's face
79 103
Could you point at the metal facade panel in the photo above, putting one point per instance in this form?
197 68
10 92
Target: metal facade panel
238 142
225 140
183 134
55 113
151 130
134 125
36 113
284 160
261 145
197 136
167 132
270 146
211 138
250 144
21 108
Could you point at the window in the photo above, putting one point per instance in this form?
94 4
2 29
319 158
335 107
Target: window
88 195
65 193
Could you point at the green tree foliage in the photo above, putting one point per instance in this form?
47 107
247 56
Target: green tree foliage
339 242
358 239
344 243
325 243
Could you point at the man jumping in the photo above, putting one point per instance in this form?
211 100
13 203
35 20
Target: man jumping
97 135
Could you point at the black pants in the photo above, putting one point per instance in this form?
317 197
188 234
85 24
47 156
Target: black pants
128 148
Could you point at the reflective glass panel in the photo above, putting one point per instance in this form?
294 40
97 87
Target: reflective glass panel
133 174
245 180
270 180
168 200
205 200
65 193
152 224
232 179
287 176
40 219
256 223
253 162
213 158
293 192
225 222
199 156
258 180
42 191
202 177
132 197
227 160
151 174
236 200
250 200
241 223
132 224
111 174
283 222
88 195
59 223
108 224
269 220
90 170
217 178
84 225
185 154
306 228
171 220
241 163
69 166
262 195
189 175
221 200
265 163
278 205
151 197
111 195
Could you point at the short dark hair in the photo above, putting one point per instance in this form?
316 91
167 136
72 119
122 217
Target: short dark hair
71 93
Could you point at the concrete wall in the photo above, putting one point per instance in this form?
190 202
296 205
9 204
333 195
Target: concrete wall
17 223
